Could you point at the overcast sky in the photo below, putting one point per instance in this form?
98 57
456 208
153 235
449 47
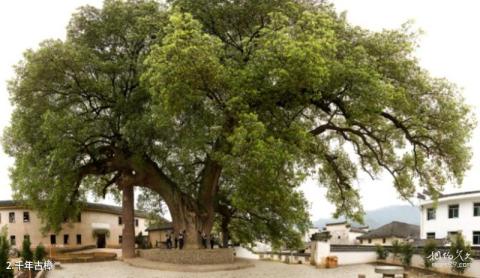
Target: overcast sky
449 48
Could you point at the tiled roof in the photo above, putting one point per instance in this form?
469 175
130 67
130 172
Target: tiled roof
161 227
337 223
112 209
358 230
355 229
88 207
438 241
394 229
459 194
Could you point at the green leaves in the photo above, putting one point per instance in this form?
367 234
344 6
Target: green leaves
4 252
461 253
266 93
76 98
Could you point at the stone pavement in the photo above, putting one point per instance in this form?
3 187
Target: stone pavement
144 263
261 269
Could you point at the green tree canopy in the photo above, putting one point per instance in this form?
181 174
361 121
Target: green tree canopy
227 106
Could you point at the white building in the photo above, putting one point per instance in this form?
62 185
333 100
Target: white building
308 235
97 225
343 233
454 213
391 232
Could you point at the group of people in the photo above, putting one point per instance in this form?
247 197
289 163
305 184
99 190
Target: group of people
205 240
179 240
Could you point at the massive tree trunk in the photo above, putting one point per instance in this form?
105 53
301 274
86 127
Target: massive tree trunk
225 233
191 219
192 215
226 214
128 233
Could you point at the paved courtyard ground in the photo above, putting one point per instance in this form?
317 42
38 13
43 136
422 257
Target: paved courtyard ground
107 250
120 269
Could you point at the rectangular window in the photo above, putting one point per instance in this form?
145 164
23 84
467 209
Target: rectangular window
53 239
79 239
13 241
369 241
65 239
136 222
430 235
384 240
119 239
453 211
361 241
431 214
476 238
476 209
120 222
11 217
79 217
26 216
25 237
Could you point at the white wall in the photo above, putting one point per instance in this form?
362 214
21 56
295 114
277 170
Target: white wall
466 222
320 251
444 267
346 258
309 233
379 241
353 237
242 252
261 247
342 234
89 218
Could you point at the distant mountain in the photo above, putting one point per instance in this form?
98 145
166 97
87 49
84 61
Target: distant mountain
379 217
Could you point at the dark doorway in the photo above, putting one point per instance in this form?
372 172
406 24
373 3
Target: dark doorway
101 241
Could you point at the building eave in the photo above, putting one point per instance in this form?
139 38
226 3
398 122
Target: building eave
453 197
92 207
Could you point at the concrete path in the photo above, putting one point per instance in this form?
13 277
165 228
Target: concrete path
106 250
143 263
261 269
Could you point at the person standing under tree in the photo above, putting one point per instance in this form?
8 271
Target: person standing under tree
169 241
212 240
180 239
204 240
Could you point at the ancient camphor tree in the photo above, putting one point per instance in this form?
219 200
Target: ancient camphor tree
76 102
223 108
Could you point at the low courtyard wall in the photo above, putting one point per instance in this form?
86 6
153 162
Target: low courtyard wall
440 266
353 254
286 257
356 254
243 252
189 256
347 258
